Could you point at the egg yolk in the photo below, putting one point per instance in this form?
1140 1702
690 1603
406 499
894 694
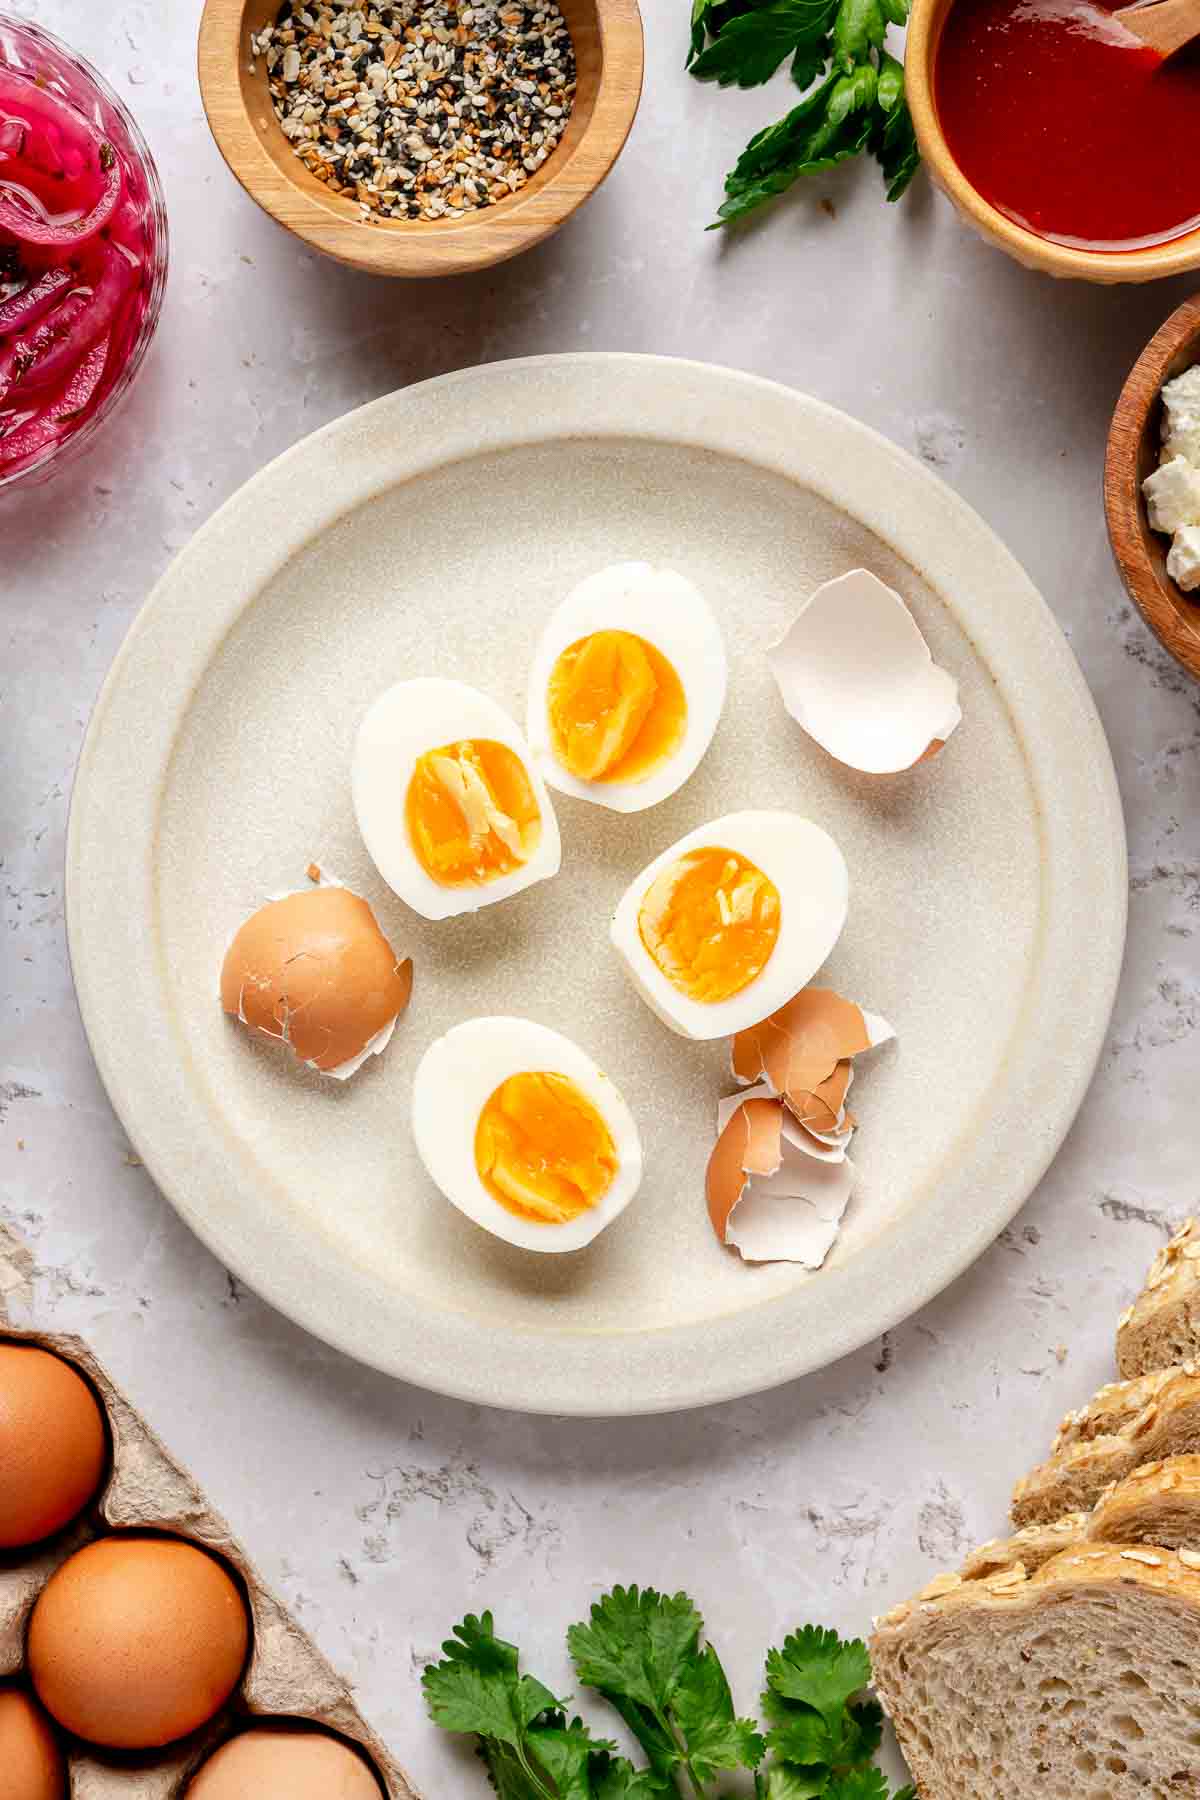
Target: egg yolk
710 921
542 1150
472 814
616 707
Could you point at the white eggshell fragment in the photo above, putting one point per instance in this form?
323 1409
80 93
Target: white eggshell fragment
671 615
810 874
855 672
770 1199
405 723
457 1077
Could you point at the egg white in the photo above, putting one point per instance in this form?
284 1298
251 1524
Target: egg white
456 1078
668 612
403 724
810 873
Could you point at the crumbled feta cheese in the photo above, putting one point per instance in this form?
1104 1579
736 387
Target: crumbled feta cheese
1181 417
1183 560
1173 495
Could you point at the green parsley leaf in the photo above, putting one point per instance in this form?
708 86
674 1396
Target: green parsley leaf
858 29
833 124
565 1754
751 48
528 1748
615 1779
864 1784
700 12
703 1707
853 90
636 1644
894 142
641 1651
820 1669
785 1781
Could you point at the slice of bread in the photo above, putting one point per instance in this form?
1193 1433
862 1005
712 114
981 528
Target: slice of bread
1163 1324
1168 1424
1115 1406
1075 1683
1027 1550
1158 1505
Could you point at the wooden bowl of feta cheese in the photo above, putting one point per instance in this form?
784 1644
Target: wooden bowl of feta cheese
1152 485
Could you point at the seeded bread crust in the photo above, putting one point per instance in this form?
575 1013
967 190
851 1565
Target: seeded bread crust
1116 1406
1071 1684
1158 1505
1162 1326
1167 1425
1027 1550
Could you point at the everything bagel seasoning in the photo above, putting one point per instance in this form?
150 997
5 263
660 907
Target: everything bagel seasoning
426 109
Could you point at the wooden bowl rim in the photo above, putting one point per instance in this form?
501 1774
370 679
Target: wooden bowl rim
1179 256
401 247
1171 616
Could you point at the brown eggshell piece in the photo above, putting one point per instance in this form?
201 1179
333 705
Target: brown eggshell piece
136 1641
31 1763
53 1446
798 1047
269 1763
314 971
749 1145
821 1108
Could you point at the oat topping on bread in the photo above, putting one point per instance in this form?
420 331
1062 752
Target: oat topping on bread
1162 1327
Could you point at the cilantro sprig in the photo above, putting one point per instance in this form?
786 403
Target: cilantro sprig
641 1651
853 90
645 1654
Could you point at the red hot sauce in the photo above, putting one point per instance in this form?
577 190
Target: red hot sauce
1068 124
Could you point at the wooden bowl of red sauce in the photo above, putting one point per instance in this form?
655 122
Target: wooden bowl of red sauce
1058 135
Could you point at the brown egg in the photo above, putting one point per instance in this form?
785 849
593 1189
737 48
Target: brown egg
268 1763
315 972
52 1444
31 1763
136 1641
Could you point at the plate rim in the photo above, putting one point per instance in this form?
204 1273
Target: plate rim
855 1301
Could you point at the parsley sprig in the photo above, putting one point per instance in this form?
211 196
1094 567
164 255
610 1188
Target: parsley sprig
853 89
645 1654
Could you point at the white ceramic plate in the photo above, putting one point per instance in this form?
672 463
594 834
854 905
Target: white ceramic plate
432 532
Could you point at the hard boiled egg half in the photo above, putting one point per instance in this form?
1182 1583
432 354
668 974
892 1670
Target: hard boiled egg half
627 687
524 1134
725 926
449 801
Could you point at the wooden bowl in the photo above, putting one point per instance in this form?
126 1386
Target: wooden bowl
607 35
925 28
1133 446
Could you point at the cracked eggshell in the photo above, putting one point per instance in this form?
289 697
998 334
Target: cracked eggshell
314 971
401 726
803 1053
673 616
855 672
456 1078
810 874
769 1197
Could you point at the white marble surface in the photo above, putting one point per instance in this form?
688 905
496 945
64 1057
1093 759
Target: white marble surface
383 1513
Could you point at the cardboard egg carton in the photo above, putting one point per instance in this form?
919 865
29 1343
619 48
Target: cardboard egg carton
146 1488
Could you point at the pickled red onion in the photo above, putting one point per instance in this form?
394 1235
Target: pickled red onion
21 221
